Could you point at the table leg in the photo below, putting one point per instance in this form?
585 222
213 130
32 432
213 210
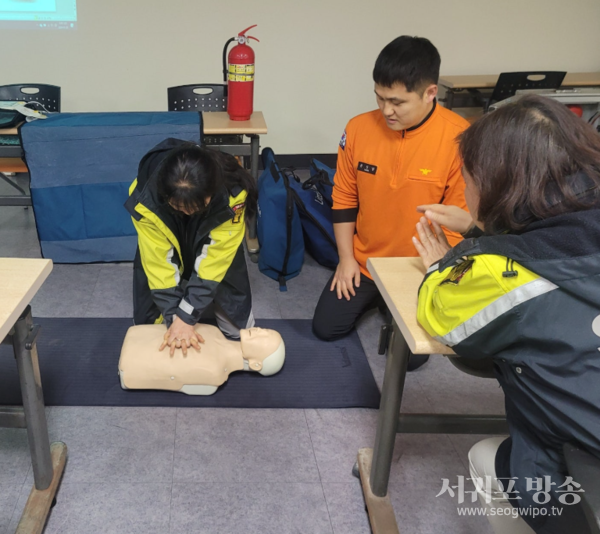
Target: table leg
251 239
254 148
389 410
449 98
33 401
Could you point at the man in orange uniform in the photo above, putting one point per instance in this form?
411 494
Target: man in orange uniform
390 161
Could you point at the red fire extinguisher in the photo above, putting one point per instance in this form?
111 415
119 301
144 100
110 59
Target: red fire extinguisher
239 77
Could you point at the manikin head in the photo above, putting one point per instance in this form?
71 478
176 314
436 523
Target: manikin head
406 74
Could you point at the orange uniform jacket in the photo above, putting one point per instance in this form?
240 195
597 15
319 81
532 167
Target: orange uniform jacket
383 175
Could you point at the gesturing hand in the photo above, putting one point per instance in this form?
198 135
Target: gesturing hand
181 335
452 217
431 246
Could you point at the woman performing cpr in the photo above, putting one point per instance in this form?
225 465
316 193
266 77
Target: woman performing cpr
527 294
188 206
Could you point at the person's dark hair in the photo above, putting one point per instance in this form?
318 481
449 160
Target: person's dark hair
411 61
530 160
190 174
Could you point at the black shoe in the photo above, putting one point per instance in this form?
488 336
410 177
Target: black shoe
416 361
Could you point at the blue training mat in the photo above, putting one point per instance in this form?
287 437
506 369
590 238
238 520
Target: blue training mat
316 374
81 166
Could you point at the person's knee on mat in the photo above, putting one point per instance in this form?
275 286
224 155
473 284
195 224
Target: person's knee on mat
323 332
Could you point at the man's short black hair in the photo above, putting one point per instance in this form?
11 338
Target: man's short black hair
412 61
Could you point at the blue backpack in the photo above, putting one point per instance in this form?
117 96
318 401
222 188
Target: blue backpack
314 202
278 224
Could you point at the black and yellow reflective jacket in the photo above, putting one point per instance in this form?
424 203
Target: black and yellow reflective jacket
532 303
186 258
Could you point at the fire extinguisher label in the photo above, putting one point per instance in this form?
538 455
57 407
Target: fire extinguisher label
240 77
241 69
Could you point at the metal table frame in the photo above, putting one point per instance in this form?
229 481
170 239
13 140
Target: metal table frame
48 462
374 464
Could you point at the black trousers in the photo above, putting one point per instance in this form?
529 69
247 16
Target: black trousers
335 318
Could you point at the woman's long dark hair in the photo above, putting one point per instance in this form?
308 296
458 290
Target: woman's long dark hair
530 160
190 174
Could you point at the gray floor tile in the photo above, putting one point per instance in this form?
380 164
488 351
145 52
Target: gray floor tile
452 391
107 444
265 304
260 507
18 218
234 445
17 243
300 300
18 235
67 292
336 436
110 508
14 456
112 295
346 507
419 511
9 495
423 460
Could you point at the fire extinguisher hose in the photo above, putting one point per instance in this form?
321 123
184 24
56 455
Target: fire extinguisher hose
225 58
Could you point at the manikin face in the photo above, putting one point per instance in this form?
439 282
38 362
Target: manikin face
402 109
471 197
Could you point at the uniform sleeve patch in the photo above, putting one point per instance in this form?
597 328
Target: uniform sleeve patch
238 210
343 141
457 273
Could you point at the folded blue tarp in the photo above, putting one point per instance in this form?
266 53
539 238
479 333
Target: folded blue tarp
81 166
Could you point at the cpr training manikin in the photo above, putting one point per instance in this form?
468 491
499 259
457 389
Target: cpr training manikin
143 366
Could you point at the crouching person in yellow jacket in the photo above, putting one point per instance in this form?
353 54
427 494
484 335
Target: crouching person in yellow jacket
188 206
526 293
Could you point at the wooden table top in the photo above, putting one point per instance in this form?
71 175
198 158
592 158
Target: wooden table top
9 131
20 279
215 122
488 81
218 122
398 281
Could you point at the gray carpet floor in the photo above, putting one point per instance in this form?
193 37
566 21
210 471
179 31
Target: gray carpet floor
208 471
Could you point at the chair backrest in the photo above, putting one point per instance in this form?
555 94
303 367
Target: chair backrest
585 470
47 96
198 97
510 82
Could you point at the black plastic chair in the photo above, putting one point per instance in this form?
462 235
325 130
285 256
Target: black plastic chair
510 82
585 470
203 97
198 97
46 97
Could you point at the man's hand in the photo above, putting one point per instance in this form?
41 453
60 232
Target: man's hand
181 336
452 217
347 276
431 246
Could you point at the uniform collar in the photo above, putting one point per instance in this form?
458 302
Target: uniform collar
418 127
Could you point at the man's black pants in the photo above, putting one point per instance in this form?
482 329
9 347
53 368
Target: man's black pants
334 318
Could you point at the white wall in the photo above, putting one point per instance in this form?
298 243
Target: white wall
314 61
